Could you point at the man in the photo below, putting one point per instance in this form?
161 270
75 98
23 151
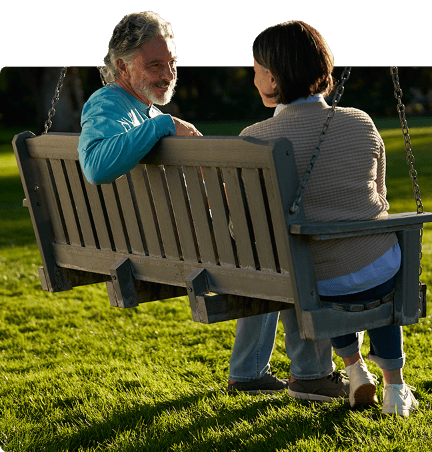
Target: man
120 123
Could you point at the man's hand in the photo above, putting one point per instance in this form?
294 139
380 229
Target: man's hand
185 128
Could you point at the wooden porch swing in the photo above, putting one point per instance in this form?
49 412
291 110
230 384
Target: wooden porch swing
219 219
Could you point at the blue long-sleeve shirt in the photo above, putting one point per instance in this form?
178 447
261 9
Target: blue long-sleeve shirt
117 132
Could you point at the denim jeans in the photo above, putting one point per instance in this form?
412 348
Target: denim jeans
386 343
254 342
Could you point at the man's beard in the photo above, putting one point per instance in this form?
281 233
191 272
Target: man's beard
163 99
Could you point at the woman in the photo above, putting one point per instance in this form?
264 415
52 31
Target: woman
293 67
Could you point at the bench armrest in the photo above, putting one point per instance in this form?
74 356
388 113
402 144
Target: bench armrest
341 229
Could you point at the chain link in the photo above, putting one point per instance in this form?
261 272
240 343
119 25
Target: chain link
410 157
410 160
316 152
51 111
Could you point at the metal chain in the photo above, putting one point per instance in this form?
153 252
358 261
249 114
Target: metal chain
316 152
410 158
51 111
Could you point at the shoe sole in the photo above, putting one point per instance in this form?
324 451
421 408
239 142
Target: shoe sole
392 411
316 397
365 395
256 391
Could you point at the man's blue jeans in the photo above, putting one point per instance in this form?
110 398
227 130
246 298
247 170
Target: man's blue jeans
254 342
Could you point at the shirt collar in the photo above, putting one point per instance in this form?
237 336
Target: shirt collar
300 100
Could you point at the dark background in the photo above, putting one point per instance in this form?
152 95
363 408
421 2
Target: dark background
202 94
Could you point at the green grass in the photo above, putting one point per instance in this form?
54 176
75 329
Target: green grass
79 375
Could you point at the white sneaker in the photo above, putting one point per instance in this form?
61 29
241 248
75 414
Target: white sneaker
362 384
398 399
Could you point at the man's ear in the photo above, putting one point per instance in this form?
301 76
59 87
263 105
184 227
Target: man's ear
123 68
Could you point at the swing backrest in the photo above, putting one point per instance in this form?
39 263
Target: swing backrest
203 216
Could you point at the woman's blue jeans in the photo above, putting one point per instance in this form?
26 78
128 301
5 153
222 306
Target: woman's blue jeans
255 339
386 343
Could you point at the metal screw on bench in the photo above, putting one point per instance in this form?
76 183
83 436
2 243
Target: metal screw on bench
316 152
51 111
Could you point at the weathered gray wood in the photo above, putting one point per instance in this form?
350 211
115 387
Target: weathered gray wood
46 185
340 229
123 285
211 307
96 207
67 204
238 217
147 215
129 215
305 290
80 203
278 221
323 323
157 229
200 215
54 278
407 286
237 281
115 218
219 218
162 205
182 214
257 209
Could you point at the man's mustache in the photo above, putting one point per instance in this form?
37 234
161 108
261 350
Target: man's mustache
165 84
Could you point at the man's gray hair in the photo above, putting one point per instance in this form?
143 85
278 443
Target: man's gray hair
129 35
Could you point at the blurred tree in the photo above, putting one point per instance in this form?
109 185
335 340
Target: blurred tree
202 93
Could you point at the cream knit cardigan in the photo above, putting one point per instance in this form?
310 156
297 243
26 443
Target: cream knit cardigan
347 181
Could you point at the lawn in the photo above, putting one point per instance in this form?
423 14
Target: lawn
79 375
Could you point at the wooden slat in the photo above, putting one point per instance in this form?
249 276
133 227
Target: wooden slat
147 215
129 215
80 203
259 219
177 190
238 218
162 206
235 281
177 150
216 196
66 202
50 199
200 215
102 228
115 218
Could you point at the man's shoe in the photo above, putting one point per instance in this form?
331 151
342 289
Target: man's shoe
266 384
398 399
323 389
362 385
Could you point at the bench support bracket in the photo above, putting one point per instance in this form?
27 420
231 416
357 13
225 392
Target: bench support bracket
121 288
210 307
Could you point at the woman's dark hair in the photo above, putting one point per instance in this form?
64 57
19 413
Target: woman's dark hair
299 59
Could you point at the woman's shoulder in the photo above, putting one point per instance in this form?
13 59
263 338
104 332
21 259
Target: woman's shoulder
261 129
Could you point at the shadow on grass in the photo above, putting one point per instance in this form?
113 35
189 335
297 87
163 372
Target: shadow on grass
264 424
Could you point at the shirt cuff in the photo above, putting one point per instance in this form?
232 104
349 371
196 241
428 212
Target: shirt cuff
164 125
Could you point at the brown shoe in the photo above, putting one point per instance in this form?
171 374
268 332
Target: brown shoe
266 384
322 389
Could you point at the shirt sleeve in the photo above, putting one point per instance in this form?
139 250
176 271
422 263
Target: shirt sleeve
110 145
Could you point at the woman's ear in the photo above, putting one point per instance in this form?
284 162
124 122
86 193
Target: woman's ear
272 81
